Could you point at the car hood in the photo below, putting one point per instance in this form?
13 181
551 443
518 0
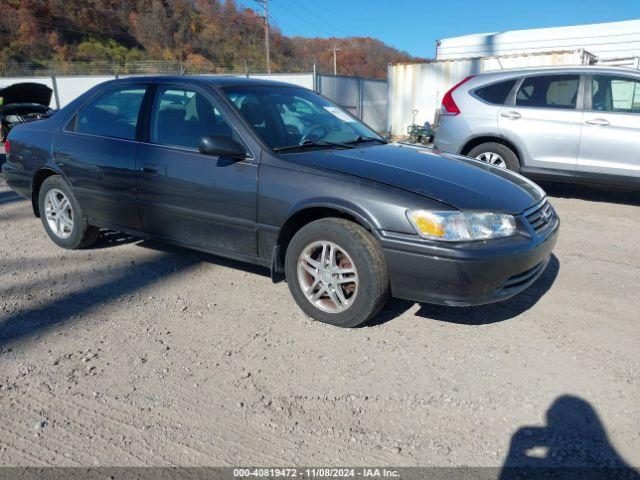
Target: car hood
26 93
460 182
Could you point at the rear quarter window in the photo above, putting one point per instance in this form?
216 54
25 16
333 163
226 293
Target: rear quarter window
496 93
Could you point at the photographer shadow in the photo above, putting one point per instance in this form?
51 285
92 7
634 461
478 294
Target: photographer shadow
573 445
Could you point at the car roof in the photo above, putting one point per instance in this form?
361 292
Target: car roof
216 80
559 69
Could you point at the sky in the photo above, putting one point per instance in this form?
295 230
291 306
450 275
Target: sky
415 25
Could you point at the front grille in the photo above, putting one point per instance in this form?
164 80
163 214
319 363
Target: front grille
520 279
541 216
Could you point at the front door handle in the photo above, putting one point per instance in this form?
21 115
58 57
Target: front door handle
511 115
600 122
149 170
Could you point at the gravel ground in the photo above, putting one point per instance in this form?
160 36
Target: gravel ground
136 353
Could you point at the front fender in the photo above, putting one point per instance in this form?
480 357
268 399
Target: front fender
363 215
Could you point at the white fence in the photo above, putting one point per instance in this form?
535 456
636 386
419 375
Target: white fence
365 98
67 88
421 86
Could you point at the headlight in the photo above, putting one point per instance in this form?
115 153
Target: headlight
461 226
13 118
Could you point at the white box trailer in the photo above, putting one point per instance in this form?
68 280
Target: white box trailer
421 86
604 40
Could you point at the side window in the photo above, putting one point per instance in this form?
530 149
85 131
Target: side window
552 91
496 93
182 117
615 94
114 114
253 109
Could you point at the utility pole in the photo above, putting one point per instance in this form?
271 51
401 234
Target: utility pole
265 18
335 51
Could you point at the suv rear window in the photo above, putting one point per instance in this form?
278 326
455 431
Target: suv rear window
496 93
552 91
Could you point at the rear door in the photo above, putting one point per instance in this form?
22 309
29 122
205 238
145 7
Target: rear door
200 200
97 152
611 131
544 120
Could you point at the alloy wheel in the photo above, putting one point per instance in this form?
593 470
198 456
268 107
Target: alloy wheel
492 159
327 276
59 213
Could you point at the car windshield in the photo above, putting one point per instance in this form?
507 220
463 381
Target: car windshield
288 118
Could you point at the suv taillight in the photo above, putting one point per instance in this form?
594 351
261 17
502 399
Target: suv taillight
7 147
449 106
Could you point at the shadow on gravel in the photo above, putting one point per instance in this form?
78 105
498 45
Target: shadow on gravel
480 315
9 196
208 257
591 193
126 281
169 261
572 445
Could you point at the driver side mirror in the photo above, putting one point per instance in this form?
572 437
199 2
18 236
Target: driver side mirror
221 146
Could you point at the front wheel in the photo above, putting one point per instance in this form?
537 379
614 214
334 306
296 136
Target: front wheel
336 272
62 217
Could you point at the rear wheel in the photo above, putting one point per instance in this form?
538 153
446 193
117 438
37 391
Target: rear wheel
496 154
336 272
62 217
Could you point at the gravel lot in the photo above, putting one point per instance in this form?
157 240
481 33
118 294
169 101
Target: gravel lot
136 353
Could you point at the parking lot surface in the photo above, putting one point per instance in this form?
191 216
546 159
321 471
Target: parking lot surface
137 353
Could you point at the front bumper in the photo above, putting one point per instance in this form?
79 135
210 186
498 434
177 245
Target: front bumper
471 274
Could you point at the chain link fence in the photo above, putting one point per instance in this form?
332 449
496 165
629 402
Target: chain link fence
149 67
365 98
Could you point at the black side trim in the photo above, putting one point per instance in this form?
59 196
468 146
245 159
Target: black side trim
263 262
590 178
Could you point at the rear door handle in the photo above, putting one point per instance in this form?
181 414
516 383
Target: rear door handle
511 115
601 122
149 170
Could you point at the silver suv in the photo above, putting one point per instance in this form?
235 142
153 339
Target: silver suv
578 124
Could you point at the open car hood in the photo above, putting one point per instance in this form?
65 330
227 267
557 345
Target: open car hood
26 93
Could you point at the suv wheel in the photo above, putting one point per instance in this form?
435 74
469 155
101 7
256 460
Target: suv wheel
336 272
496 154
62 217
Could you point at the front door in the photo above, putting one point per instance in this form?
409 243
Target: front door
200 200
611 130
545 121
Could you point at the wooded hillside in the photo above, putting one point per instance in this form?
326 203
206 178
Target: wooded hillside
199 35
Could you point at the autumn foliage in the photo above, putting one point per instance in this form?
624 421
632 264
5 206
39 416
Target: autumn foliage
203 35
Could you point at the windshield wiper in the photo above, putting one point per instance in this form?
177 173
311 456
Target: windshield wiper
309 143
362 139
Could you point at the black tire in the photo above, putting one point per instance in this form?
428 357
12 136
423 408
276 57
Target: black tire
508 155
373 277
82 234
